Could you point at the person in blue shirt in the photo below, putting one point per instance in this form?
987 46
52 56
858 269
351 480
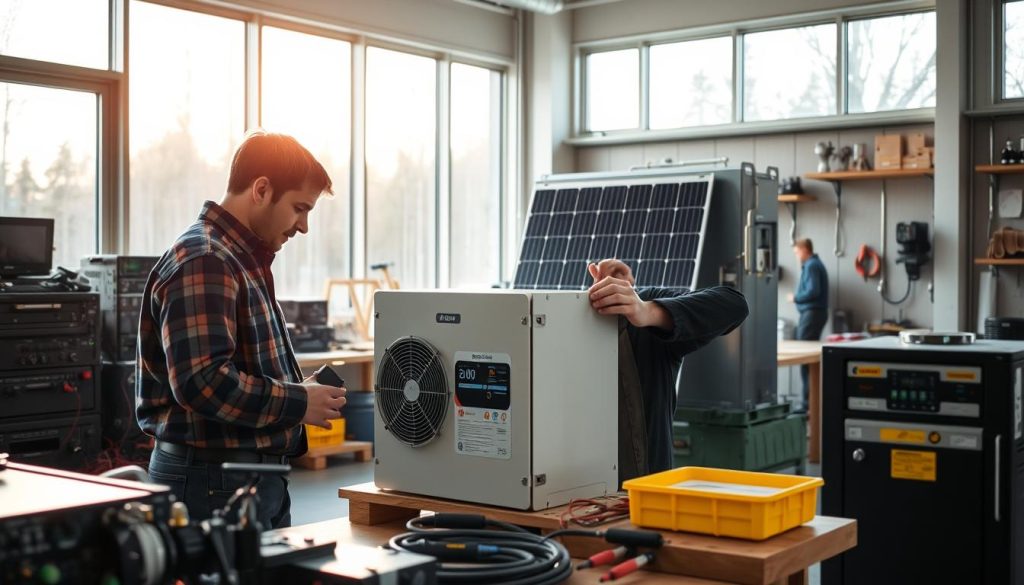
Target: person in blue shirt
811 298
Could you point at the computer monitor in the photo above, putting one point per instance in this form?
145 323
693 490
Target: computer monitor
26 246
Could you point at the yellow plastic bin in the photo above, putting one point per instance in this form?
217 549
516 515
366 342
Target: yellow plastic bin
723 502
318 437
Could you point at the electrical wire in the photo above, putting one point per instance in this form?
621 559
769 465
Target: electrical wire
490 552
595 511
905 296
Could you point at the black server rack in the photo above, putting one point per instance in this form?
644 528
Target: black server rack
120 282
923 446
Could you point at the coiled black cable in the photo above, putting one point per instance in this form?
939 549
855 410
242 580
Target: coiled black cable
474 549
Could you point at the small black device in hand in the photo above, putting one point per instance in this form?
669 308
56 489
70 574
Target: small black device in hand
328 377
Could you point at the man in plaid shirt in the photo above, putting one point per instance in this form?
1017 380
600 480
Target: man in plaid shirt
216 377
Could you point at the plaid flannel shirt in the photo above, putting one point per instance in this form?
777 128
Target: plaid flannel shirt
215 367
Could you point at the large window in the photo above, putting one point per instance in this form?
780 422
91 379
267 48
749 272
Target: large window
891 63
306 92
401 139
187 115
1013 50
783 73
475 223
72 32
691 83
789 73
48 157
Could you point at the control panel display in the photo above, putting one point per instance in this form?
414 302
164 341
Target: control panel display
917 388
483 384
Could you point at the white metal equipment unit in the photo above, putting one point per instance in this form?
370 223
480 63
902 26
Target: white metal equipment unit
506 398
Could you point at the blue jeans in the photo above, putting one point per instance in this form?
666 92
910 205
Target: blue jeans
812 322
203 487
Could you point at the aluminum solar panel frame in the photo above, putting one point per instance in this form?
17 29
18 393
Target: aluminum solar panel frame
736 246
655 225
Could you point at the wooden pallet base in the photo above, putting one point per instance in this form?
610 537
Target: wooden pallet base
782 559
316 457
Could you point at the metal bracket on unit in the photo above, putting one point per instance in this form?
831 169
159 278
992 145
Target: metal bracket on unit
540 320
540 479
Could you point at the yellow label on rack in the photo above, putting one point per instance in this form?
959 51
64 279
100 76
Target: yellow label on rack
902 436
867 372
919 465
961 376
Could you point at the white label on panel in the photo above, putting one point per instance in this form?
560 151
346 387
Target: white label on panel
854 433
963 442
483 407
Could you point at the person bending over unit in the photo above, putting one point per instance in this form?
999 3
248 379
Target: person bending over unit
216 378
657 327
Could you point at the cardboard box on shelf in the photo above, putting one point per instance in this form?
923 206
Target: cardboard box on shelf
888 151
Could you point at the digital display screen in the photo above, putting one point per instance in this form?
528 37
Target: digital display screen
913 380
26 246
483 384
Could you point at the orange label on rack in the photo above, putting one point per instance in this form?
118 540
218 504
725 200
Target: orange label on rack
962 376
902 436
867 372
917 465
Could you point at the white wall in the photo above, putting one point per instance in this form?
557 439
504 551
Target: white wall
434 22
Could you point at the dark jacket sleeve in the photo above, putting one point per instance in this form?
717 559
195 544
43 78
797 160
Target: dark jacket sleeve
698 317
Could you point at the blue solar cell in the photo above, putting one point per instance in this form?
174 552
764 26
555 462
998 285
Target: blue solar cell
659 221
554 248
532 248
629 247
526 274
550 272
608 222
639 197
590 199
565 200
603 247
613 198
575 276
665 196
583 224
560 224
679 273
655 247
650 273
543 200
579 249
633 222
538 226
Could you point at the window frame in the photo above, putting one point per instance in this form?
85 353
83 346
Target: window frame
738 125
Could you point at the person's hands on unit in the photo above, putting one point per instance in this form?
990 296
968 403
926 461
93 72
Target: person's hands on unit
613 294
323 403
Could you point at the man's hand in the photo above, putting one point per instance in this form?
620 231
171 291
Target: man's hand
612 294
323 403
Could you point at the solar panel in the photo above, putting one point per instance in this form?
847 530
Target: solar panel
655 226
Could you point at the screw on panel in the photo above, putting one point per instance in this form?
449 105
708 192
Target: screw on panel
526 320
526 481
376 315
540 479
541 320
376 460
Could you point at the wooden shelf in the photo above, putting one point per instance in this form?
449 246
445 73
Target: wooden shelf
797 198
999 261
1017 169
870 175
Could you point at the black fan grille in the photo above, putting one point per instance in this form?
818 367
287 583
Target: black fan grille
412 391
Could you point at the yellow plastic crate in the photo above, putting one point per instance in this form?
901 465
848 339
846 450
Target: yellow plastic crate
723 502
318 437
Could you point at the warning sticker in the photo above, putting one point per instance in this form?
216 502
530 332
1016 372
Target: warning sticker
483 404
902 436
919 465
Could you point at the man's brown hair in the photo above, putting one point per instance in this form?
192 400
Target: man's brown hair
280 158
804 243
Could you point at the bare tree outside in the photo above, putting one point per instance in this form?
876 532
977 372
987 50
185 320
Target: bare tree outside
892 63
790 73
1013 50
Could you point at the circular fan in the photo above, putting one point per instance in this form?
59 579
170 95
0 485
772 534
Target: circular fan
412 391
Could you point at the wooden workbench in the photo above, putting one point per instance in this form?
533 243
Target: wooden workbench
782 559
807 353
